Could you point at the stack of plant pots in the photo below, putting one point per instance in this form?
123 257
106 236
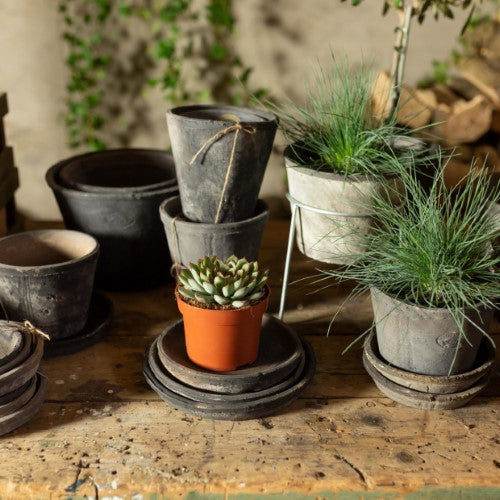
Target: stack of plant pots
114 196
47 278
220 153
418 358
22 386
9 178
282 369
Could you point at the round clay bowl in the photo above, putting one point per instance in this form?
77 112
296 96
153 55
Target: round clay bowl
422 400
429 383
119 170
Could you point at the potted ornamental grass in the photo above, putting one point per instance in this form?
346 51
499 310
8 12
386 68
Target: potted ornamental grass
432 273
340 153
222 304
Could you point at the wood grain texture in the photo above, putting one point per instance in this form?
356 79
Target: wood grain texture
102 430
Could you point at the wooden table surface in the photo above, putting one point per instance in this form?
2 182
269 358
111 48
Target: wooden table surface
103 433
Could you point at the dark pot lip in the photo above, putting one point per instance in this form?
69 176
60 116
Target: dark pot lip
245 308
93 254
352 178
51 177
264 119
81 186
262 214
416 306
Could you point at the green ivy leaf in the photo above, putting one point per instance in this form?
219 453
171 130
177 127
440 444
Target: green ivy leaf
165 48
218 52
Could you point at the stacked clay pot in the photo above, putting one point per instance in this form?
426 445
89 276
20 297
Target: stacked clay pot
22 386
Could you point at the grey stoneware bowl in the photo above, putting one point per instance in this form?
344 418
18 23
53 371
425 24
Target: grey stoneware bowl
119 170
47 277
134 251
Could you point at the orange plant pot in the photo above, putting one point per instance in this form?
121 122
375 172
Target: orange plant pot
222 340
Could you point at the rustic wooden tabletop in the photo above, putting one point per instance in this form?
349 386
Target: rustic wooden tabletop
103 433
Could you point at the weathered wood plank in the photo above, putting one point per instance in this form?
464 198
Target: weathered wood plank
334 445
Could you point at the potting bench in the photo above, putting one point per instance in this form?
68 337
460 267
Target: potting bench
103 433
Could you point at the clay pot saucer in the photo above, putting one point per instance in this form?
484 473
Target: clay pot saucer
19 354
98 322
26 412
176 386
236 410
20 374
429 383
422 400
280 351
21 397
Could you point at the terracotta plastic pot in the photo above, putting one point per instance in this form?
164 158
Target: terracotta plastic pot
222 340
425 340
334 239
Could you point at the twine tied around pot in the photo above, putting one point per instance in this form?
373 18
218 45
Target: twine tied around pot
34 330
249 129
176 265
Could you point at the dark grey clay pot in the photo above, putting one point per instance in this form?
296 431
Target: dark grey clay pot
424 340
119 170
189 241
134 253
193 130
47 277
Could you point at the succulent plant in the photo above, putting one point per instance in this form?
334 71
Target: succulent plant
234 283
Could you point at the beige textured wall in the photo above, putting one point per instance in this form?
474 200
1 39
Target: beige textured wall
281 39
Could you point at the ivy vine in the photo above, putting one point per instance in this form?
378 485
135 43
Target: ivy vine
182 43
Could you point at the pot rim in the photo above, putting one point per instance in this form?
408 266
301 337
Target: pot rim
290 163
242 309
267 119
87 187
52 267
425 308
51 177
261 208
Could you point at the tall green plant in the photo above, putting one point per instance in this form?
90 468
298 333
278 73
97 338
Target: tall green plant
336 129
181 43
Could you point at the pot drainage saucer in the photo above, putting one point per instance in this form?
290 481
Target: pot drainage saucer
422 400
237 410
280 351
98 321
21 373
21 397
22 351
428 383
11 343
170 382
26 412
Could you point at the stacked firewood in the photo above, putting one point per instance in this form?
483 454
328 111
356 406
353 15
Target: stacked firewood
9 179
465 110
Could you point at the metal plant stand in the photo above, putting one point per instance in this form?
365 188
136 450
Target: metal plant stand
295 207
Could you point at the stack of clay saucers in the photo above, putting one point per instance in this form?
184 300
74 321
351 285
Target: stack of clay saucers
22 387
428 392
284 367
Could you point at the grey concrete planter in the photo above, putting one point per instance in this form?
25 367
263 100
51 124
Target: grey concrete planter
424 340
189 241
134 252
202 139
119 170
332 239
47 277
